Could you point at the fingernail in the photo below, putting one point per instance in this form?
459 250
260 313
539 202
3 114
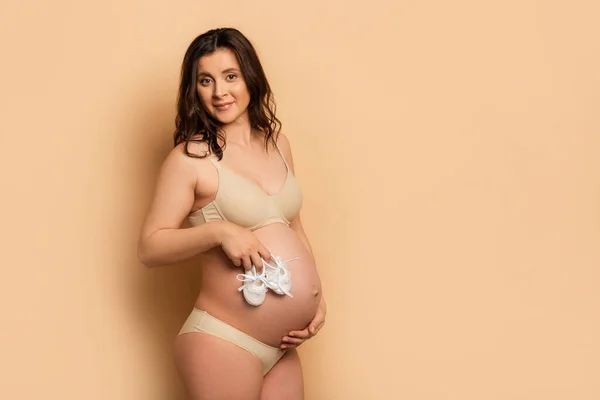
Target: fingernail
291 334
286 340
283 347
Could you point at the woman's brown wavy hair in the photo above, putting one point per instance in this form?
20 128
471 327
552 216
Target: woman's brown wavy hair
192 119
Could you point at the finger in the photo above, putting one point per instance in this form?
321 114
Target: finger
317 329
236 261
257 262
316 326
317 320
320 326
246 263
312 327
304 334
291 340
264 253
285 346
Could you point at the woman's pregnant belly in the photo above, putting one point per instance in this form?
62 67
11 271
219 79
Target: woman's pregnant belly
278 314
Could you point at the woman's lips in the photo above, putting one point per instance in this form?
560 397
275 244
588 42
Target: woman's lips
223 106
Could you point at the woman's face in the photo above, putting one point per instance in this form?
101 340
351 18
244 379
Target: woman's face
221 86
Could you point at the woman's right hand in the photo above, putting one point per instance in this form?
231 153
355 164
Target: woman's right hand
243 247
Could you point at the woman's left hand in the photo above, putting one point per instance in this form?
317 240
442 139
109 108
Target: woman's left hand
296 338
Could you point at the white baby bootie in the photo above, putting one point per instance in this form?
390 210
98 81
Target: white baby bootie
254 287
278 277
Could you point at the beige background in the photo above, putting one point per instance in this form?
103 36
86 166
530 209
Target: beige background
448 151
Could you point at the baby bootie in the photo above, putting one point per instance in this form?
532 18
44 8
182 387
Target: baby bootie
278 277
254 287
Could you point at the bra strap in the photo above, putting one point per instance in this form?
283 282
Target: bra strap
214 161
282 156
211 157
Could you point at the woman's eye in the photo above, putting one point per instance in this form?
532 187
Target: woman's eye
231 76
204 81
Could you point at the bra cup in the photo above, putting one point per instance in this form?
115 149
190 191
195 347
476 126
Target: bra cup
245 206
289 200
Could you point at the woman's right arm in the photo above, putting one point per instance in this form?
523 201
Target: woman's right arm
162 241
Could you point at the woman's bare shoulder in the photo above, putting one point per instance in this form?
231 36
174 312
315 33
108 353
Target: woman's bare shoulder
178 161
284 144
194 147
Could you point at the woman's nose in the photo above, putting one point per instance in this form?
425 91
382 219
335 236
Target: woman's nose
219 89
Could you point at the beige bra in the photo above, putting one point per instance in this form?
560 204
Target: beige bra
244 203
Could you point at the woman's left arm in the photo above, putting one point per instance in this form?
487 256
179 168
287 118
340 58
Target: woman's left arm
295 338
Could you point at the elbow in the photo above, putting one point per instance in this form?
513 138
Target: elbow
144 258
145 255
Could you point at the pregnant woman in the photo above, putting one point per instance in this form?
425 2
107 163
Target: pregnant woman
231 175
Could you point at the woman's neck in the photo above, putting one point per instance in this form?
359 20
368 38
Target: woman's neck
240 132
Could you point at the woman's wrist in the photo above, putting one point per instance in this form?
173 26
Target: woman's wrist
220 231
